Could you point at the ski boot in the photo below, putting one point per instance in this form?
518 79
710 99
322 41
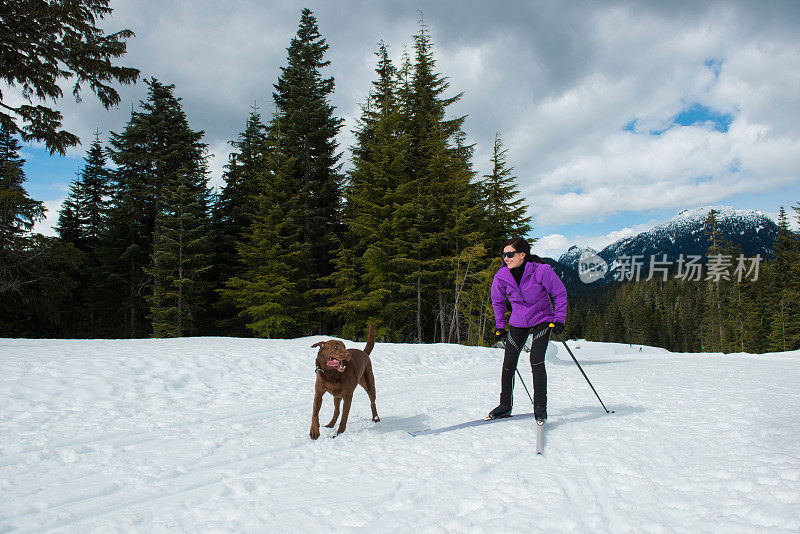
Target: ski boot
500 412
540 413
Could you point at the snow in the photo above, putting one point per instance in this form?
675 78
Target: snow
572 256
685 223
211 435
693 217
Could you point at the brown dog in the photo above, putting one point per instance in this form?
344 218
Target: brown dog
339 371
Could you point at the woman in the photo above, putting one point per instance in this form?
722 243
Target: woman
528 284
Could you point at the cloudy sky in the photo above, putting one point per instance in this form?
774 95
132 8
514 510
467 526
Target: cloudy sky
616 115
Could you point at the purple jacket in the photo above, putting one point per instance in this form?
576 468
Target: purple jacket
530 304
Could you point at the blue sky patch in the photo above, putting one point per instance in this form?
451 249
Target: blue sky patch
694 114
714 65
698 113
48 177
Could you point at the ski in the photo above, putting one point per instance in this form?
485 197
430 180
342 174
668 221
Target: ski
468 424
539 437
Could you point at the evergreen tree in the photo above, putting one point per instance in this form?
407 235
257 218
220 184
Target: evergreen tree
234 211
18 214
94 194
439 218
711 326
177 166
413 245
270 291
83 215
42 42
84 279
382 102
127 244
243 174
503 216
505 210
154 154
182 255
69 224
785 331
92 200
18 211
307 138
35 271
756 311
364 286
794 277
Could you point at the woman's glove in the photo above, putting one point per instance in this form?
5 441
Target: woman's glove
558 328
499 335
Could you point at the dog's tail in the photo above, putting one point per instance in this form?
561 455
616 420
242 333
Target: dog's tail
370 339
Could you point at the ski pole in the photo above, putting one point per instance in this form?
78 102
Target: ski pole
523 385
584 374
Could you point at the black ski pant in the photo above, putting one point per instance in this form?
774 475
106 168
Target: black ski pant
515 342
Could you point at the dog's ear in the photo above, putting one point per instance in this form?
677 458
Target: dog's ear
318 344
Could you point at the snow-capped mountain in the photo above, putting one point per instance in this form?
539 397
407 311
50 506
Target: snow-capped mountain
752 231
573 255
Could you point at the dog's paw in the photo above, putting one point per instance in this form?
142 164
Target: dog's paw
376 419
314 433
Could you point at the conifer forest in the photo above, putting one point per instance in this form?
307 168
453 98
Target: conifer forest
299 241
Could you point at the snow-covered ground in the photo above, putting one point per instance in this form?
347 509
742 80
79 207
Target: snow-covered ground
211 435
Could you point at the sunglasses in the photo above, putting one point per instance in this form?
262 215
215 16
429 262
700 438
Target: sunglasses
509 254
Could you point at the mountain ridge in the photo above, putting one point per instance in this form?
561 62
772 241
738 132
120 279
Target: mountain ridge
684 234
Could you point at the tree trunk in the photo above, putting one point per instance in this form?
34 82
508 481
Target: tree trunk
419 311
442 318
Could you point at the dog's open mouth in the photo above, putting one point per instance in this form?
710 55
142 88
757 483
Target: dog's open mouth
339 365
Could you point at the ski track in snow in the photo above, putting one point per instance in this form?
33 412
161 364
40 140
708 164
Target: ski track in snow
211 434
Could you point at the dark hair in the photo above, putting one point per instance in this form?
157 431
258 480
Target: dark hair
521 245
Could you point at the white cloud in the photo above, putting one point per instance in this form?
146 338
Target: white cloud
685 166
217 159
554 245
551 246
48 225
593 169
601 241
